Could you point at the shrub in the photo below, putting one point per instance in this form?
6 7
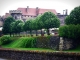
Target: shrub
5 40
70 31
30 42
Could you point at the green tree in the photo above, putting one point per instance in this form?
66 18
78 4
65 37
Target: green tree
26 26
74 17
40 23
18 26
37 24
31 26
50 20
6 25
13 28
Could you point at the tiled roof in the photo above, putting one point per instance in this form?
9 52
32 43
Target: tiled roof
45 10
32 11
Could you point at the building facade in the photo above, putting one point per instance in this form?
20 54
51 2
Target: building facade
28 13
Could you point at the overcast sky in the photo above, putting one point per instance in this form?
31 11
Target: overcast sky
58 5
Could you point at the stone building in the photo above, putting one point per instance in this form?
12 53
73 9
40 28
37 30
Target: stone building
27 13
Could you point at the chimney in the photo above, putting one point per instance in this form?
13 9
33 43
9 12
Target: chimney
37 10
63 12
66 12
27 8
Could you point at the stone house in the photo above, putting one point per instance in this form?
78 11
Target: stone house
27 13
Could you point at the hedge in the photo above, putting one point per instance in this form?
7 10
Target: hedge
70 31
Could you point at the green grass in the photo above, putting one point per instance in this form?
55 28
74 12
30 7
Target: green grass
33 49
77 49
19 44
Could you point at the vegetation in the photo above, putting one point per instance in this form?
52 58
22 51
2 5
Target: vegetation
7 26
74 17
6 40
70 31
50 20
47 20
29 42
72 28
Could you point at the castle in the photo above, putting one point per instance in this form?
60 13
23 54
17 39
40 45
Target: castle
27 13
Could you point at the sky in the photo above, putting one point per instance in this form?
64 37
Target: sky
58 5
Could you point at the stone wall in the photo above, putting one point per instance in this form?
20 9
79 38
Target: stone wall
65 44
35 55
45 42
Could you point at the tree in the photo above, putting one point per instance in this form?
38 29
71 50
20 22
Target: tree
18 26
37 24
40 23
26 26
13 28
6 25
50 20
31 26
52 23
74 17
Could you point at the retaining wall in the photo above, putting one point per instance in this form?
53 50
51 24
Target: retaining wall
36 55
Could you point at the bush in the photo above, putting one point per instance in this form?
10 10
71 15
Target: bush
5 40
30 42
70 31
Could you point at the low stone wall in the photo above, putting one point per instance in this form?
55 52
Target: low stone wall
36 55
66 44
52 42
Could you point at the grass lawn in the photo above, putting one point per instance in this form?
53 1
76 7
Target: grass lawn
19 45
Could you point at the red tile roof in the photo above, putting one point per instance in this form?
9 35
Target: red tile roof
32 11
45 10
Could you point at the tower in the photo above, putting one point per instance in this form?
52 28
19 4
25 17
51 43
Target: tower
16 14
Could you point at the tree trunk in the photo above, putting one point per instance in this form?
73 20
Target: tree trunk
19 34
13 34
26 33
31 32
36 33
48 32
10 34
41 32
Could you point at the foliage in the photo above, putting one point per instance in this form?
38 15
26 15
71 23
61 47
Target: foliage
20 27
53 22
70 31
29 42
17 27
39 22
12 27
26 26
6 25
74 17
5 40
49 20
